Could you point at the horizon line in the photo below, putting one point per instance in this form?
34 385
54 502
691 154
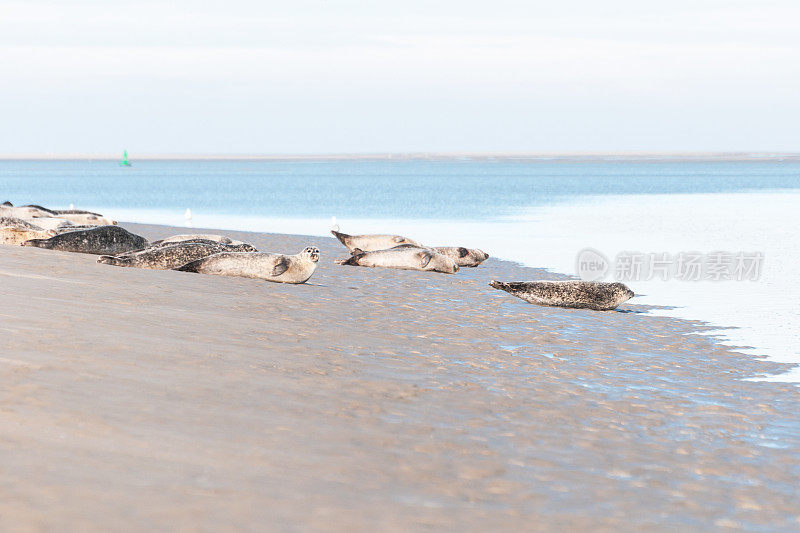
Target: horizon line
576 155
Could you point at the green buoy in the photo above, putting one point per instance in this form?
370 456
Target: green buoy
124 162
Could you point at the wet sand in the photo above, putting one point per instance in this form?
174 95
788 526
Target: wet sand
371 400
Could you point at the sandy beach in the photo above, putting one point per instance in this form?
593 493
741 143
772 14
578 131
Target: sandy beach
371 400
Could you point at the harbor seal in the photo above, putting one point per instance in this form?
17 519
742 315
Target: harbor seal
101 240
244 247
15 231
271 267
406 258
371 243
463 257
597 295
205 236
165 257
51 223
87 219
28 211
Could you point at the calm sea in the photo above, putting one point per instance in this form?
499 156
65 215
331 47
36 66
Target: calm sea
540 213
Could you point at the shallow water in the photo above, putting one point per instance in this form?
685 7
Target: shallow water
540 213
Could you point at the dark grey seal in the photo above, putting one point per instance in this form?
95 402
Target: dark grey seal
7 204
101 240
165 257
597 295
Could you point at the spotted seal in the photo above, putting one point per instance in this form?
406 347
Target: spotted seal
405 258
166 257
27 211
85 218
204 236
244 247
271 267
371 243
463 257
101 240
597 295
15 231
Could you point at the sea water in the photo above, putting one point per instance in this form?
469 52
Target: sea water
537 212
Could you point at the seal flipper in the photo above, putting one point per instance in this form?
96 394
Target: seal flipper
191 266
500 285
462 252
112 260
281 266
424 259
39 243
340 236
353 259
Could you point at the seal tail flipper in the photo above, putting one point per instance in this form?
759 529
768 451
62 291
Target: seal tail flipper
191 266
340 236
353 259
500 285
111 260
38 243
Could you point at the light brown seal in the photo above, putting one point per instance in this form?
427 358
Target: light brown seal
406 258
371 243
463 257
271 267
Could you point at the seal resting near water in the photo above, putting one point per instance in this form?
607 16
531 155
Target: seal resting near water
244 247
166 257
371 243
200 236
406 258
85 218
15 231
597 295
101 240
463 257
271 267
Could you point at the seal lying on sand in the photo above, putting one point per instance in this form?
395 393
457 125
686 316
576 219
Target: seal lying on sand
371 243
463 257
85 218
166 257
51 223
102 240
406 258
244 247
206 237
15 231
597 295
28 211
6 204
271 267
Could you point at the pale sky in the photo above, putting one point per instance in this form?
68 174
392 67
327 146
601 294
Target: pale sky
328 76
